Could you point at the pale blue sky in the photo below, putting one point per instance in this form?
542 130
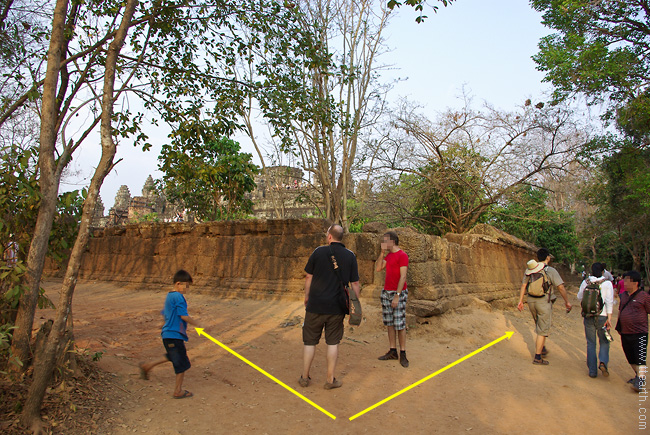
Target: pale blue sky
484 45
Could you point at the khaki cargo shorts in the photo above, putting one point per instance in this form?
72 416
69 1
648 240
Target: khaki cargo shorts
541 310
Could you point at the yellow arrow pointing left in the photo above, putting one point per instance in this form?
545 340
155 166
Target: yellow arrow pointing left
270 376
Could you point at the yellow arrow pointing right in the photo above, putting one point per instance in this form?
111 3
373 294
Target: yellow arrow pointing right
507 335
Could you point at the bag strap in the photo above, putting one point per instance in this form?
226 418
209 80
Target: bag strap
336 268
628 301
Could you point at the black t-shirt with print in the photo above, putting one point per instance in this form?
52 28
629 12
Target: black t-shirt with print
325 293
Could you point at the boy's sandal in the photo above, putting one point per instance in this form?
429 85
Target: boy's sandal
184 395
304 382
541 362
144 374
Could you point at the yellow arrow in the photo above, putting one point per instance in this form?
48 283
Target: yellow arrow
201 332
507 335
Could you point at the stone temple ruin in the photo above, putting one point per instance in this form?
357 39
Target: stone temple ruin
129 209
281 192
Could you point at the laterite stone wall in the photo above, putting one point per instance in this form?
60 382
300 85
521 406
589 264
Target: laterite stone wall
265 259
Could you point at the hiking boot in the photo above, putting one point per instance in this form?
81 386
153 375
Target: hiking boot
402 359
540 361
335 384
636 386
304 382
391 354
603 368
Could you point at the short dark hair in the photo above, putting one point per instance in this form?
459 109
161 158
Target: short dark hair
597 270
543 254
336 231
392 235
182 276
634 276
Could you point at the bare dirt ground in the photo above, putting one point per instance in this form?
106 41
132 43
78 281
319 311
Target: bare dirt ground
497 391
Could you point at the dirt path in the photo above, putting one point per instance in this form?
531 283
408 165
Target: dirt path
497 391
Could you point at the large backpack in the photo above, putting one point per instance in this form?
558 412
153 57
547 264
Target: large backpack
538 284
592 300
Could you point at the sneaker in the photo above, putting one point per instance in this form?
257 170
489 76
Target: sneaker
402 359
603 368
541 362
636 385
391 354
304 382
593 375
331 385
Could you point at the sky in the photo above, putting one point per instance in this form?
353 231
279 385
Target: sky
483 46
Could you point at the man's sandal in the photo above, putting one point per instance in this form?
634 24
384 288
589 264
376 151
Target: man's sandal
184 395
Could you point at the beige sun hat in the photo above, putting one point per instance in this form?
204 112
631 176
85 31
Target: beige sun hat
534 267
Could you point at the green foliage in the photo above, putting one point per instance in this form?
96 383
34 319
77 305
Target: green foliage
6 356
149 217
19 203
599 50
527 216
207 173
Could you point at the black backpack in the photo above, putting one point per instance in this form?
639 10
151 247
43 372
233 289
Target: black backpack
592 300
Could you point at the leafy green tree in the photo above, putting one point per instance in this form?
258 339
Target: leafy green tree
628 201
527 216
181 54
599 50
207 174
19 203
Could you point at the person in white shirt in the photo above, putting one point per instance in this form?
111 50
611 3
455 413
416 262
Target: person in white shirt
596 325
606 273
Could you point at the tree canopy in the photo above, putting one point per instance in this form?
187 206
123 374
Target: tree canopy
600 50
207 174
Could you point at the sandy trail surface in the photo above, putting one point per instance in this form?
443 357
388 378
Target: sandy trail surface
497 391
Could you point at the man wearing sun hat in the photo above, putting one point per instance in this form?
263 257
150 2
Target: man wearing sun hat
541 307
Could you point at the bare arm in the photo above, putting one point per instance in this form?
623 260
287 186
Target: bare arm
307 287
400 286
380 264
522 292
356 287
191 321
564 295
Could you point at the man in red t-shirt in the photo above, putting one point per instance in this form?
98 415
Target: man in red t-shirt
394 295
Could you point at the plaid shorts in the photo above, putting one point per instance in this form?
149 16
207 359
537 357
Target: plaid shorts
394 317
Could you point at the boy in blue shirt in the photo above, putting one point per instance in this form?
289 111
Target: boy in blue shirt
174 333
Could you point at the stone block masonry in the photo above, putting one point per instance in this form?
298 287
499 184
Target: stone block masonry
266 258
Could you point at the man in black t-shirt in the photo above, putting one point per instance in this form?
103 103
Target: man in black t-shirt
324 302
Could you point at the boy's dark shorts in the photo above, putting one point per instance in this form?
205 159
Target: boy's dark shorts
313 328
635 348
177 354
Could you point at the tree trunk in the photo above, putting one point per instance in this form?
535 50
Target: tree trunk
44 367
49 187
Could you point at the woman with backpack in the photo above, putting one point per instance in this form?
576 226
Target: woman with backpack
596 295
